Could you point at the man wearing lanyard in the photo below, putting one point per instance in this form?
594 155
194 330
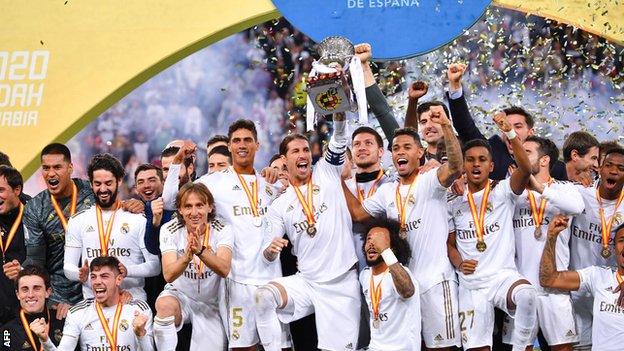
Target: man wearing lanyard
482 246
108 230
46 217
390 291
242 197
535 209
593 230
32 288
416 201
13 233
104 322
313 214
604 284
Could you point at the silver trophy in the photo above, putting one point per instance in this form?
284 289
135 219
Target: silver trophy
328 84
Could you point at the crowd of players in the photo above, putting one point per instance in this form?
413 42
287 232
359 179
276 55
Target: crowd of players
421 257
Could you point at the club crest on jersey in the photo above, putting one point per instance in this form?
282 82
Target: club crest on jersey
123 325
488 207
316 189
619 219
125 228
411 200
26 345
58 334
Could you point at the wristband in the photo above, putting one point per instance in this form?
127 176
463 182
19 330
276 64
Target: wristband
511 134
200 251
389 257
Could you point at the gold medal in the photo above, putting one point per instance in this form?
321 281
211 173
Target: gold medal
538 232
257 221
307 205
375 297
311 230
537 212
605 224
481 246
606 253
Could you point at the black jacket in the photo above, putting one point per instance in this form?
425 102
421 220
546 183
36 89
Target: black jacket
15 251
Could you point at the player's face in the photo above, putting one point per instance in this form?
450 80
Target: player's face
194 211
478 165
148 185
56 173
32 293
587 162
406 154
373 257
298 160
105 188
9 197
105 283
519 124
243 147
429 131
280 166
185 172
532 150
612 173
217 162
365 150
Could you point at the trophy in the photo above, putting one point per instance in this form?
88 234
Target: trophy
336 82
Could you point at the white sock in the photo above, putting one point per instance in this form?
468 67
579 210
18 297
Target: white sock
524 296
267 299
165 334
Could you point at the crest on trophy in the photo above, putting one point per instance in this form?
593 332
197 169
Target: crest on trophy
336 82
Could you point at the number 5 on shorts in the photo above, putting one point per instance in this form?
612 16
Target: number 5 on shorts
237 318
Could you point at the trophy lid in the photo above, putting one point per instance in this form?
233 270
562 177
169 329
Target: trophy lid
335 49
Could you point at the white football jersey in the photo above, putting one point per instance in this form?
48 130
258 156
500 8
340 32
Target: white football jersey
427 225
586 231
328 253
83 324
202 287
608 320
233 206
399 318
561 198
498 236
126 243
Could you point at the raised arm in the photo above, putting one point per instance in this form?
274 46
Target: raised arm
460 113
451 170
564 196
400 277
357 211
548 274
172 182
520 176
415 91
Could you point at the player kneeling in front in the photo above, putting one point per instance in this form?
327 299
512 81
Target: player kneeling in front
193 270
603 283
104 322
390 290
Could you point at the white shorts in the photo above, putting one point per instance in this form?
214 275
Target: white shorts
555 317
336 305
476 309
239 317
583 313
439 309
208 330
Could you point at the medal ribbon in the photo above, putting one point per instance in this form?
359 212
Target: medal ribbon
371 191
606 227
252 195
18 221
204 243
375 294
401 207
308 205
27 330
111 337
537 212
105 237
619 278
479 218
72 209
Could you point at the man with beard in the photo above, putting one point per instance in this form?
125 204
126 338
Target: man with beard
108 230
593 231
393 299
604 284
32 288
316 219
539 203
103 322
416 201
171 153
46 217
242 196
429 131
14 232
482 246
580 154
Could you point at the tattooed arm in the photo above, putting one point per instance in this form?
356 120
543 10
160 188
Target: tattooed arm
402 280
548 275
451 170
